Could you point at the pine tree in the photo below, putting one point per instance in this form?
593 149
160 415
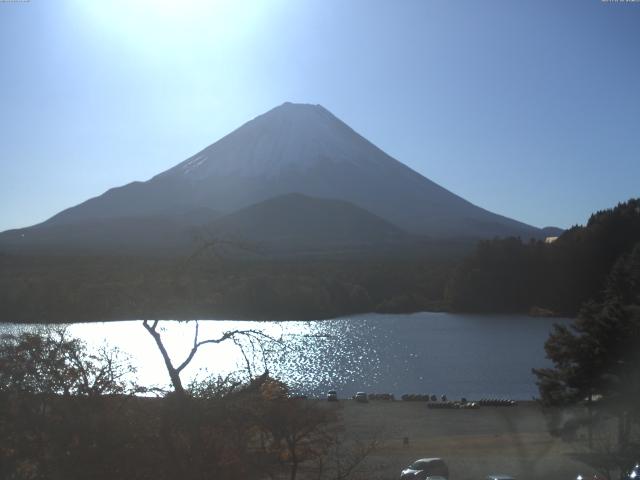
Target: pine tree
597 356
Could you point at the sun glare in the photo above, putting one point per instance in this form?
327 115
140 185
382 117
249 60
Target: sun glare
164 27
174 10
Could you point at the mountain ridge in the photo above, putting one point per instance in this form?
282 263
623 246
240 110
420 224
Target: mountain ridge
297 222
299 148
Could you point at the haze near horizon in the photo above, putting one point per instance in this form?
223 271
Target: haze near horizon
529 111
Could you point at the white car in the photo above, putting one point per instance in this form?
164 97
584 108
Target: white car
361 397
426 468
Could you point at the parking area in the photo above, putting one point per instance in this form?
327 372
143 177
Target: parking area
474 442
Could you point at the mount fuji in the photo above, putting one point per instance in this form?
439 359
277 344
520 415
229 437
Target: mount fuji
292 149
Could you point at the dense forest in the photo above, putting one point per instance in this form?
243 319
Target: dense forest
509 275
71 289
501 275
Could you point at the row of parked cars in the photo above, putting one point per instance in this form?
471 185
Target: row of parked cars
332 396
454 405
421 397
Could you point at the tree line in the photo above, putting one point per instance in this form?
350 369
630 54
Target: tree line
73 289
500 275
509 275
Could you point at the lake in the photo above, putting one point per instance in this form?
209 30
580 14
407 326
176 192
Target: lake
471 356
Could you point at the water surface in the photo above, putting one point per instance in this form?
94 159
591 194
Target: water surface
471 356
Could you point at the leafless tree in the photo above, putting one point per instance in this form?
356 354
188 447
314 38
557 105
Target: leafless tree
174 371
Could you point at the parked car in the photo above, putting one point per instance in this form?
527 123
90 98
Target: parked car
633 473
332 396
425 468
361 397
499 477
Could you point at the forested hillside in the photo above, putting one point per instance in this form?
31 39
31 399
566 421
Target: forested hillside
74 289
508 275
501 275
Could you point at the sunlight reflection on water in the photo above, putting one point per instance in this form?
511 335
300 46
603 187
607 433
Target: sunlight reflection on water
460 355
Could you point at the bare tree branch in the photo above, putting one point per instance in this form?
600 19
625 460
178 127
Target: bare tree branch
174 372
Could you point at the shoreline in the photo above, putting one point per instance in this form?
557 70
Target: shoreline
288 319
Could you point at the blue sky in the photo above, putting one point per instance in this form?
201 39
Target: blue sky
529 109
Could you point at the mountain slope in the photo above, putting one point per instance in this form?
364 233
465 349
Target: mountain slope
295 148
295 222
151 234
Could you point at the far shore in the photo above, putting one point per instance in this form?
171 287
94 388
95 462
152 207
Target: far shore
243 318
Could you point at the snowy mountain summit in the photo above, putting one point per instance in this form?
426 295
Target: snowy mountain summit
292 135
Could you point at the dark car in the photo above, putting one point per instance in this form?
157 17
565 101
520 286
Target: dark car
332 396
425 467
